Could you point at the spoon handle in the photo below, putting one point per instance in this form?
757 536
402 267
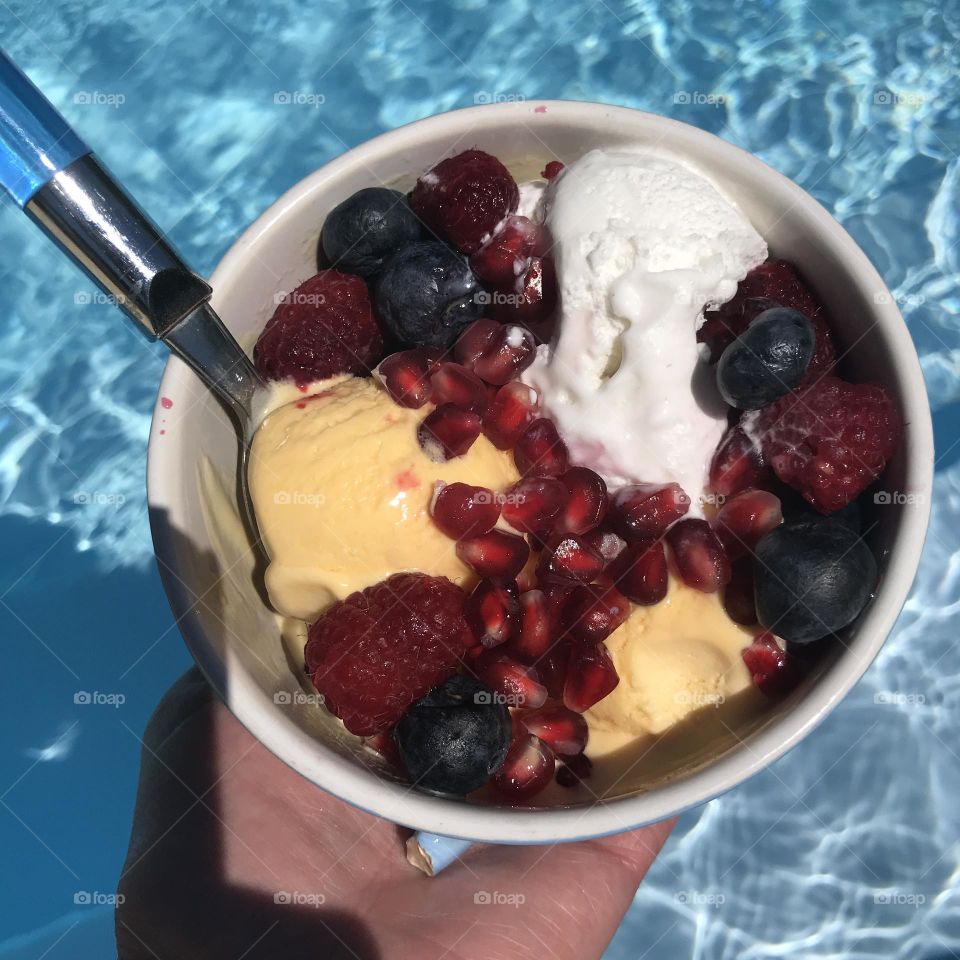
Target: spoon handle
52 174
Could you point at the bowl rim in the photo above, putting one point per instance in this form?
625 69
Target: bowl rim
400 803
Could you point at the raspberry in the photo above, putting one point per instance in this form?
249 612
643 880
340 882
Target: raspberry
464 197
774 283
323 328
829 440
383 648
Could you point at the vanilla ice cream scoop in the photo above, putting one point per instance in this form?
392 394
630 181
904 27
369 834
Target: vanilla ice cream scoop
642 245
342 492
673 659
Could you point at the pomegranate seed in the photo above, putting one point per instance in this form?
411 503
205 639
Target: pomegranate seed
461 510
586 501
738 596
531 297
473 341
516 684
574 770
493 612
527 769
434 357
457 385
448 432
406 377
496 554
532 504
699 554
507 355
540 452
642 511
591 675
606 543
552 669
386 745
564 731
569 558
504 256
510 413
747 517
641 573
536 632
736 465
552 170
593 613
767 663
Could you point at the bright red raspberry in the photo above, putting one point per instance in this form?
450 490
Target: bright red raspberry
323 328
464 197
830 440
774 283
383 648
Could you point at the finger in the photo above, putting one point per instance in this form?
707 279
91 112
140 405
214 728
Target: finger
563 901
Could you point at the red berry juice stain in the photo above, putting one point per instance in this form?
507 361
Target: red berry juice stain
302 404
166 403
407 479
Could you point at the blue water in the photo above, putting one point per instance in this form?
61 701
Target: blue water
845 848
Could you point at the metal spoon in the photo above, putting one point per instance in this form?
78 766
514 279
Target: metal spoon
54 177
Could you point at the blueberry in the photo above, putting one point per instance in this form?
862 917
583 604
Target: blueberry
360 233
796 509
425 295
455 738
813 577
767 360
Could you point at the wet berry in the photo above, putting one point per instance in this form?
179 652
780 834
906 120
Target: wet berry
464 511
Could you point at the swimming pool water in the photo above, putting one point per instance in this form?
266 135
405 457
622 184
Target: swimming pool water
207 111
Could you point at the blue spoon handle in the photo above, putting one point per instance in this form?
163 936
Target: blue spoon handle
35 141
53 175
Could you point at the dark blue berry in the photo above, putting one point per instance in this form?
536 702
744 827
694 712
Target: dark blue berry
360 233
455 738
767 360
795 509
812 578
425 295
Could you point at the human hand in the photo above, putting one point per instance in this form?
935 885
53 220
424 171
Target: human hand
223 829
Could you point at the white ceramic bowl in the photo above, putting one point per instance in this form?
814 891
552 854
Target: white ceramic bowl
208 570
